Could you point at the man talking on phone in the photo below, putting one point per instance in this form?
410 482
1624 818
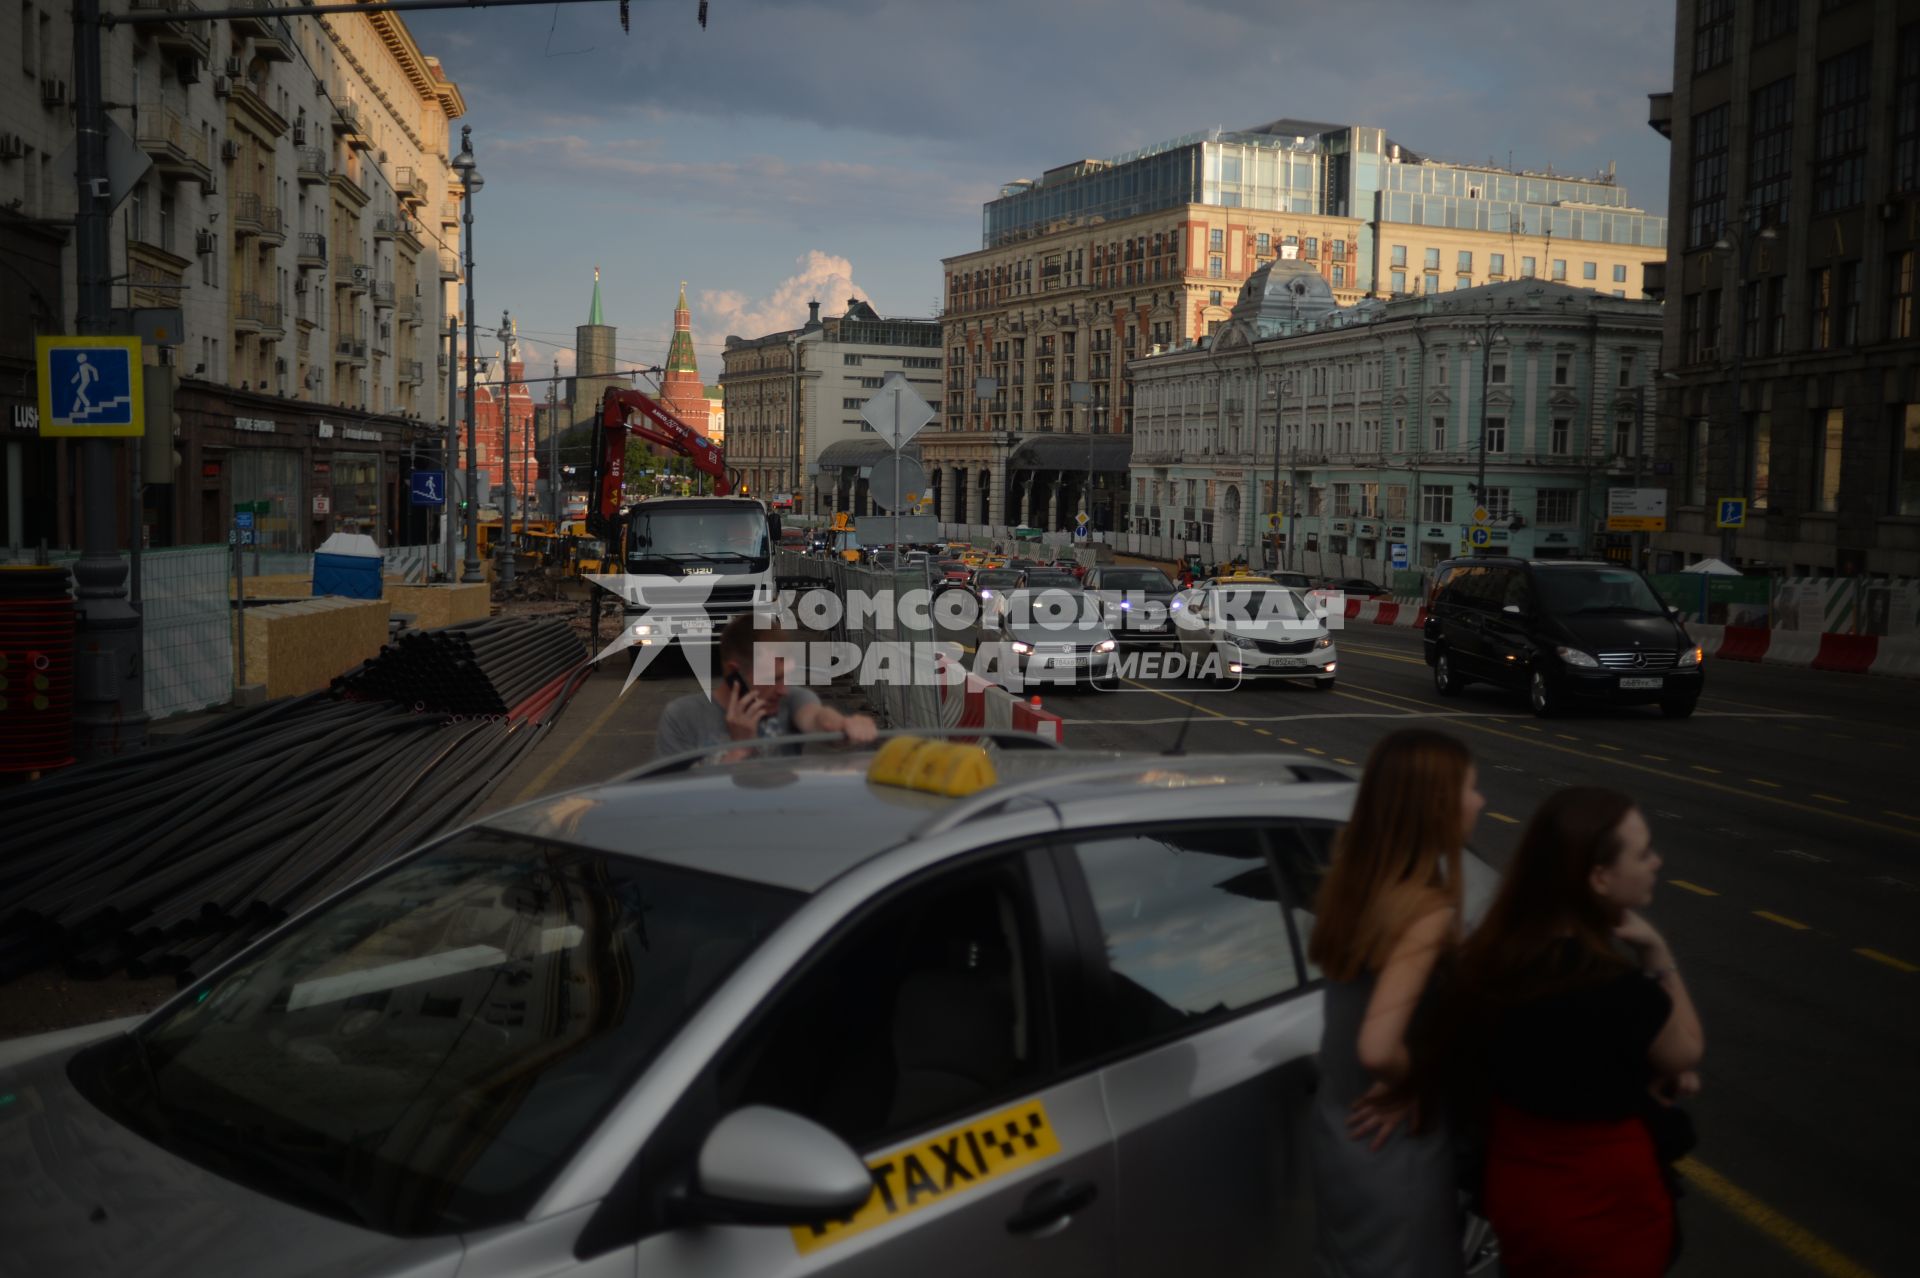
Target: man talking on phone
743 708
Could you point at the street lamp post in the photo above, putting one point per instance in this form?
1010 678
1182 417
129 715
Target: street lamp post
470 181
449 512
1739 241
506 456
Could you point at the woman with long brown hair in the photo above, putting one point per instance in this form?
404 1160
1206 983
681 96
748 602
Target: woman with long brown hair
1388 912
1576 1040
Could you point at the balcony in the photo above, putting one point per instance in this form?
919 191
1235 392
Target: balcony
386 226
254 216
1660 113
272 40
189 37
177 150
383 294
312 165
449 265
410 186
410 372
348 273
255 314
313 251
350 351
347 123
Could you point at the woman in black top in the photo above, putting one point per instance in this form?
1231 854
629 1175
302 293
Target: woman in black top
1577 1036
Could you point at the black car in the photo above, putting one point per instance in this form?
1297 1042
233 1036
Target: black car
1138 601
1563 631
1358 586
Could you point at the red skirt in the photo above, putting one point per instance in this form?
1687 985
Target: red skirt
1576 1200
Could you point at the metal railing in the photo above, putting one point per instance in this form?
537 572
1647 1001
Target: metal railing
312 163
313 248
251 213
168 138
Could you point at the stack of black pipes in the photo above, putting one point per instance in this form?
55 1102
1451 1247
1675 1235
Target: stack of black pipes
482 667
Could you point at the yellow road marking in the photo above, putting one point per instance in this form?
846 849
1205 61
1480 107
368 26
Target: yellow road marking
1315 750
1349 762
1239 723
1701 767
1792 1236
1904 816
1828 798
1631 765
1657 758
1601 745
1694 888
1564 737
1771 785
1530 728
1781 919
1898 965
539 784
1289 741
1263 732
1501 816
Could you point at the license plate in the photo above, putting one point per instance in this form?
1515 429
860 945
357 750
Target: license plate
1641 683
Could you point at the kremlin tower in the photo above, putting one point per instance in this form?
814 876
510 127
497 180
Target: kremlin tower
681 390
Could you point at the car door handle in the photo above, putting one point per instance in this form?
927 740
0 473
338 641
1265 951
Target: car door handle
1053 1203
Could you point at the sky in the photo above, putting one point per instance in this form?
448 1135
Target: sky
828 149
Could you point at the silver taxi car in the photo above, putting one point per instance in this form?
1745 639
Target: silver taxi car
1253 628
787 1017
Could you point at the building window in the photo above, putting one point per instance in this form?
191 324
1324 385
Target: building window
1464 263
1496 440
1497 374
1399 279
1562 436
1774 18
1496 264
1900 297
851 361
1619 275
1563 369
1697 458
1840 134
1216 269
1310 248
1770 154
1339 250
1589 270
1463 281
1626 368
1342 501
1906 111
1262 243
1214 296
1498 502
1555 506
1527 269
1623 435
1560 268
1399 255
1820 309
1216 240
1848 305
1759 460
1833 432
1712 34
1436 504
1439 434
1776 315
1904 499
1339 277
1433 259
1707 189
1433 281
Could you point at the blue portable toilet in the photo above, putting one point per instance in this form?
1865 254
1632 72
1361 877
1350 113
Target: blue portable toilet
348 564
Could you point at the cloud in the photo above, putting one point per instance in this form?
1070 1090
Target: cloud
822 277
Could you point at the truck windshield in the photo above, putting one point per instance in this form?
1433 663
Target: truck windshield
696 534
425 1053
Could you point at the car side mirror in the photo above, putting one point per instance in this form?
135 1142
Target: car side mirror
1515 609
766 1166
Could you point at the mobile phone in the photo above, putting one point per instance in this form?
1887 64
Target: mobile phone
734 681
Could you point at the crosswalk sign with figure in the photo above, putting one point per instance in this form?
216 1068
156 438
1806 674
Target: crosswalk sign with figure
90 386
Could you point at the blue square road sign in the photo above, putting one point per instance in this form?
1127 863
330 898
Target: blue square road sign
1733 512
428 488
90 386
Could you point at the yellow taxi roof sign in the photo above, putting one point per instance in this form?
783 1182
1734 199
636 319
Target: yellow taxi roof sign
1245 579
951 768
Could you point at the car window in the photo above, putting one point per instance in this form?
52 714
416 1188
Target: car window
1190 924
928 1008
1303 852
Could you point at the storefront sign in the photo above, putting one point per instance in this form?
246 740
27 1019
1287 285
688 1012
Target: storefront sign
322 504
25 418
323 468
259 425
1636 510
324 430
364 436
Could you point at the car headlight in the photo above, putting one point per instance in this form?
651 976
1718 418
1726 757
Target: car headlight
1324 641
986 594
644 628
1174 606
1126 605
1107 645
1238 641
1575 657
1693 656
1021 646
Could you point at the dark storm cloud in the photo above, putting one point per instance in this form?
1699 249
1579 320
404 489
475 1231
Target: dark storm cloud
1018 85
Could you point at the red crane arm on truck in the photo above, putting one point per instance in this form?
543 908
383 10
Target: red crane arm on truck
616 424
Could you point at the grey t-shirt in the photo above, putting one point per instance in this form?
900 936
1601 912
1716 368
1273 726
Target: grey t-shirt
696 720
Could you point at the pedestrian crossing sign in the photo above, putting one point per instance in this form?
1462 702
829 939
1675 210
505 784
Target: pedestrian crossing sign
90 386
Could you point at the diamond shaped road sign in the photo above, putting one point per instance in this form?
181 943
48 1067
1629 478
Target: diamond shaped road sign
897 412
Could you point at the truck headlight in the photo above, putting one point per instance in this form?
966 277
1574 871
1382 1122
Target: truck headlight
1575 657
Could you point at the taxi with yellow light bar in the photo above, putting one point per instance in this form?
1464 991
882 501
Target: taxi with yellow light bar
958 1004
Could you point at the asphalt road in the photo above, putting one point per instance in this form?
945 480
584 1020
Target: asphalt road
1788 813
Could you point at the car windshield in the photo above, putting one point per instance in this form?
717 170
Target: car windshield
1256 604
997 579
1039 580
425 1053
1566 591
1135 579
699 533
1053 609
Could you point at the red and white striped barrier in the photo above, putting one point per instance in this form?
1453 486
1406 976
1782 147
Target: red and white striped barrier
979 704
1386 612
1840 654
1029 717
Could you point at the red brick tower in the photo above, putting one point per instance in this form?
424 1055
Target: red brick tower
681 390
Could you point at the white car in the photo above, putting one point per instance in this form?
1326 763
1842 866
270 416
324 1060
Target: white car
1257 631
1054 636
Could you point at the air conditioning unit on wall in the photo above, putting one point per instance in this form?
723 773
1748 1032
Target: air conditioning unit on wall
362 274
229 151
222 87
204 242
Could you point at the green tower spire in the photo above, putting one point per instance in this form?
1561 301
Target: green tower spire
593 316
680 358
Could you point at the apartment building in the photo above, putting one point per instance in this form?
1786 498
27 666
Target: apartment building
1790 330
1100 262
295 233
1391 422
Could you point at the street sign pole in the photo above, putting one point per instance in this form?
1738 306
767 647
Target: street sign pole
109 712
894 505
